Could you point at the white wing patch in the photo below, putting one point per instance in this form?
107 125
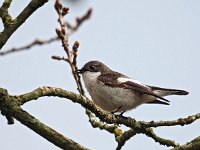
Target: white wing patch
122 80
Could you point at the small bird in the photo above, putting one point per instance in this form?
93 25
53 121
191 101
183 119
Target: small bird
116 92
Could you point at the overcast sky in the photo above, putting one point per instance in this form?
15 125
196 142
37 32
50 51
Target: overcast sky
155 42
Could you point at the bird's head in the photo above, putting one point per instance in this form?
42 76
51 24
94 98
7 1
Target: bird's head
93 67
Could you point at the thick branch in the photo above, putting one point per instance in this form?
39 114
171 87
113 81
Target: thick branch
121 140
137 126
193 145
12 25
103 115
45 131
6 4
9 106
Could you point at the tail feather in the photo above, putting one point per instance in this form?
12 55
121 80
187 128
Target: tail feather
164 91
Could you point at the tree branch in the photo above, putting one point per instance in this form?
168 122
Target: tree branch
79 21
5 16
193 145
121 140
62 34
72 29
180 121
114 129
138 127
10 106
10 26
149 132
110 118
72 59
30 45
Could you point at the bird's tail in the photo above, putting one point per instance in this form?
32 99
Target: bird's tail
165 92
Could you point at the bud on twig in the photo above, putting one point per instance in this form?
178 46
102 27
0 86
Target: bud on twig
65 11
58 6
58 32
75 46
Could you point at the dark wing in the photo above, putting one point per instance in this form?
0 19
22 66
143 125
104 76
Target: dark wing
142 89
111 80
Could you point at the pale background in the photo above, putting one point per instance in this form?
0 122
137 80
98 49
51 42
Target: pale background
156 42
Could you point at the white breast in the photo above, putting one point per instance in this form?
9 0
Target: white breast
90 79
109 98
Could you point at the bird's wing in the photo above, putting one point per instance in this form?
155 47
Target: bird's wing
119 80
142 89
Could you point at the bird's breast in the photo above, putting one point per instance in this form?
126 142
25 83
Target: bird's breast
107 97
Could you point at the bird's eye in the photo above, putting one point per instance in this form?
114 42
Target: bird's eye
92 68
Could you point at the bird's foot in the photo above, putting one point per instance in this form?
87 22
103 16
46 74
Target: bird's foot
116 110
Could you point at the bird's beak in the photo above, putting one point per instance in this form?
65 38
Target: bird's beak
79 71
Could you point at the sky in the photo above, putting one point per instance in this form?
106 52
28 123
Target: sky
155 42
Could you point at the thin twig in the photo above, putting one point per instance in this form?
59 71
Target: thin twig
180 121
72 60
79 21
149 132
59 58
62 34
102 125
30 45
71 29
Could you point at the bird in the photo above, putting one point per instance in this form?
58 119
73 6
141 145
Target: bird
117 93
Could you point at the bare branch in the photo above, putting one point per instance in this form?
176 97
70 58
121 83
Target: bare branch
10 106
121 140
180 121
88 104
79 21
103 126
72 60
5 16
30 45
10 25
149 132
59 58
138 127
62 34
71 30
6 4
192 145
